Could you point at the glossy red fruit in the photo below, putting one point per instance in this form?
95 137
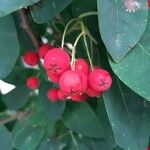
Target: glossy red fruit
32 82
31 58
44 49
61 95
99 80
52 94
82 65
53 77
73 82
79 98
57 61
92 93
148 3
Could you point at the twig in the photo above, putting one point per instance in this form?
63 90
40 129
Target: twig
18 116
25 24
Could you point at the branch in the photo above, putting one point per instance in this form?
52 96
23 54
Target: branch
25 24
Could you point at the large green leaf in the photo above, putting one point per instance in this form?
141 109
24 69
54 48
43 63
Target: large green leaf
80 118
120 29
134 69
17 98
9 6
5 139
48 9
52 110
28 138
128 115
9 45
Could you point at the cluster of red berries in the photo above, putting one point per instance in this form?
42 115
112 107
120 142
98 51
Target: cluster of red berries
76 82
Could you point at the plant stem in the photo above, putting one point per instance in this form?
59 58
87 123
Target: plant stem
86 45
88 14
74 140
73 50
25 24
64 33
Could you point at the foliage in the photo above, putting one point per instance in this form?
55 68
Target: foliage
119 42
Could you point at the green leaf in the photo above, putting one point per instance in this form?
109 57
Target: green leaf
17 98
120 29
9 45
5 138
48 9
9 6
19 75
134 69
128 115
52 110
28 138
80 118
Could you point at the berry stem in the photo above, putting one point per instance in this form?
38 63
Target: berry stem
73 50
65 30
91 13
86 45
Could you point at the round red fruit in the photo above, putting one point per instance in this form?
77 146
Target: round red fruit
57 61
99 80
61 95
73 82
148 148
79 98
92 93
52 94
44 49
53 77
32 82
82 65
31 58
148 3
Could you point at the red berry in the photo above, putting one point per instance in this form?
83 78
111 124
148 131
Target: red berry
52 94
82 65
97 67
32 82
53 77
99 80
148 148
148 3
31 58
61 95
57 61
92 93
44 49
73 82
79 98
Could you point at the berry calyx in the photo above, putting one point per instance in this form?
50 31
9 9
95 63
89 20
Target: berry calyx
32 82
82 65
53 77
92 93
57 61
79 98
44 49
52 94
99 80
31 58
73 82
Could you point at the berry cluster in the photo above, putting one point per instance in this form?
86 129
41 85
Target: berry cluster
77 82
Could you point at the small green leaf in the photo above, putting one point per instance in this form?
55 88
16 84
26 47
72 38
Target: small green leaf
17 98
5 138
80 118
52 110
9 46
28 138
46 10
121 29
9 6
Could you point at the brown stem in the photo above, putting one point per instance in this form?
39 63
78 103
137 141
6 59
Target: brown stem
18 116
25 24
